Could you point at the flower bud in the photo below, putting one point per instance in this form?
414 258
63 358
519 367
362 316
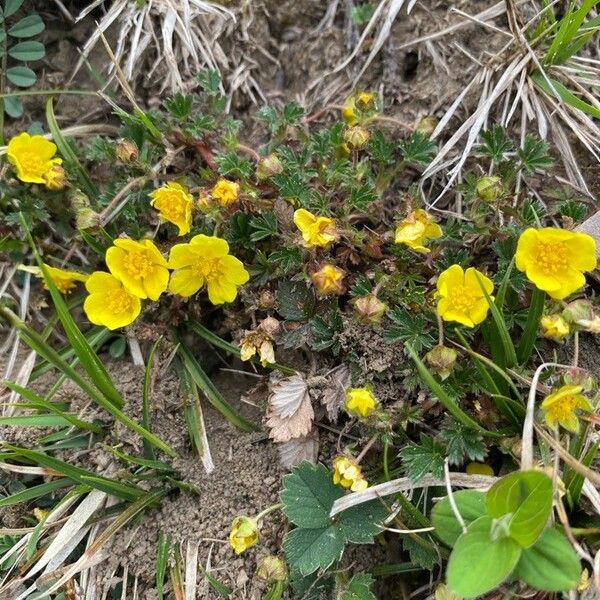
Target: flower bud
476 468
86 218
490 188
270 326
268 167
369 309
272 569
578 310
441 360
554 327
243 534
329 280
366 101
580 377
56 178
127 151
426 126
267 300
356 137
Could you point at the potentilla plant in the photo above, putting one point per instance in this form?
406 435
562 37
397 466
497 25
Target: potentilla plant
417 337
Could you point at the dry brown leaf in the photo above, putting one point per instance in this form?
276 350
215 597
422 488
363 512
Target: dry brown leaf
290 413
299 450
335 394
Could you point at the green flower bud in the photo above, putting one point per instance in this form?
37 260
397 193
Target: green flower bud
272 569
268 167
490 188
426 126
441 360
356 137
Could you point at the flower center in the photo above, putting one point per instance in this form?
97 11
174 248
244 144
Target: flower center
552 257
461 298
32 163
137 264
562 409
118 301
208 269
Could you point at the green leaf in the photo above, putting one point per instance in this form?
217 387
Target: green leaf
27 51
418 149
13 107
471 506
527 343
564 93
421 551
27 27
551 565
308 495
310 549
527 495
425 457
11 7
21 76
477 565
162 559
180 105
359 588
496 144
362 522
265 225
210 81
35 491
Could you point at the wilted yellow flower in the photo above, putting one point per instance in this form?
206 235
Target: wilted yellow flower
225 192
174 204
360 402
206 261
416 229
258 342
139 266
560 407
461 298
316 231
329 280
55 178
272 568
32 156
369 309
554 327
348 474
243 534
65 281
477 468
109 303
126 151
555 259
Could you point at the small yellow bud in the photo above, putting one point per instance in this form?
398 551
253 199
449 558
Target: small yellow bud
329 280
369 309
476 468
366 101
127 151
244 534
360 402
56 178
554 327
356 137
490 188
426 126
225 192
441 360
268 167
272 569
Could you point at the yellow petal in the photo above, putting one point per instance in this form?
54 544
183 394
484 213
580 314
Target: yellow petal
184 282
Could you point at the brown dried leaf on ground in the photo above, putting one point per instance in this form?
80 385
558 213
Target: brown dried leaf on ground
335 394
290 413
298 450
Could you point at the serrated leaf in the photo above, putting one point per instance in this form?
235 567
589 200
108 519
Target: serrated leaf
424 556
362 522
27 51
21 76
477 565
290 413
308 495
359 588
299 450
425 457
527 495
310 549
334 394
418 149
11 7
551 564
27 27
471 506
296 301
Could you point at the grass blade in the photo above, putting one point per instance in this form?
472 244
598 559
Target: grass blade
443 397
564 93
536 307
35 491
162 558
148 450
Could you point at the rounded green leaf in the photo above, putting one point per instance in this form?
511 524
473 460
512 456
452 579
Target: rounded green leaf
11 7
27 51
21 76
478 565
471 506
13 107
27 27
551 565
528 496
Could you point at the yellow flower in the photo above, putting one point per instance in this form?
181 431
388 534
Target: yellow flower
174 204
358 107
258 342
316 231
461 298
243 534
329 280
65 281
32 157
416 229
226 192
348 474
139 266
554 327
555 259
109 303
560 407
360 401
206 261
55 178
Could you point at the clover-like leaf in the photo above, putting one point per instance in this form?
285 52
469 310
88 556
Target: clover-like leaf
470 505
